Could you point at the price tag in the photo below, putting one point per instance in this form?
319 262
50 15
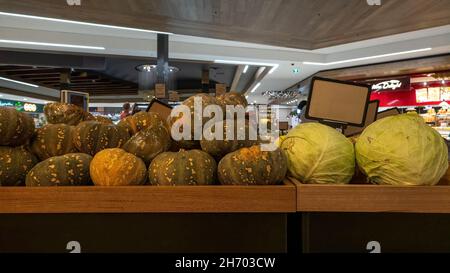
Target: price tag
174 96
160 90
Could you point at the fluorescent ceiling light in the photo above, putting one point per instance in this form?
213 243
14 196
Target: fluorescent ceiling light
80 23
51 44
273 69
245 69
370 57
256 87
274 66
14 81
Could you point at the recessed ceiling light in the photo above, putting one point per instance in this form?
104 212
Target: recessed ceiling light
245 69
272 65
51 44
79 22
370 57
19 82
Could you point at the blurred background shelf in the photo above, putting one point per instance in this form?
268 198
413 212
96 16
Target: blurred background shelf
149 199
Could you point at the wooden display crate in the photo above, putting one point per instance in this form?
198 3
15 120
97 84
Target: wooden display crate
149 199
362 197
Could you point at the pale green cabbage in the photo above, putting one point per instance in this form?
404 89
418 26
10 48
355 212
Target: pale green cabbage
318 154
402 150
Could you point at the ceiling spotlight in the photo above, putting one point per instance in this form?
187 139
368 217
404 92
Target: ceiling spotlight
425 84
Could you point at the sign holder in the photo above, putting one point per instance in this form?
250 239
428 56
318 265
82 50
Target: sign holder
160 107
388 113
371 117
338 103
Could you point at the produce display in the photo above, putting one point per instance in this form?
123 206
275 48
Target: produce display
252 166
66 170
116 167
16 128
206 100
15 163
220 148
69 114
91 137
78 149
53 140
141 121
148 143
102 119
232 98
318 154
402 150
193 167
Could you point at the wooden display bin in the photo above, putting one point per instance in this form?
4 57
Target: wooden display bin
149 199
147 219
358 196
361 217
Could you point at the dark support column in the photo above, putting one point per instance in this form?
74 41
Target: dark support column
162 65
205 80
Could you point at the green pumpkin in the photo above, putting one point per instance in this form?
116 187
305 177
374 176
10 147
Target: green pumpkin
252 166
16 128
193 167
142 120
190 102
69 114
220 148
66 170
91 137
232 98
53 140
148 143
15 163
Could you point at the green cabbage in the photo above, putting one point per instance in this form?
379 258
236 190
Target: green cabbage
318 154
402 150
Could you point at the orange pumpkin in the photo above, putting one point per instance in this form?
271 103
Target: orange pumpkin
116 167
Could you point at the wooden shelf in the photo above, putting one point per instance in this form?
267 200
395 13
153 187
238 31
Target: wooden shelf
149 199
373 198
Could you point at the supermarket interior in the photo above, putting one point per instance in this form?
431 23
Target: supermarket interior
353 96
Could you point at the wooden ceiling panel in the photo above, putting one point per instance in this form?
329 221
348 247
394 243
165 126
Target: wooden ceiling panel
82 80
307 24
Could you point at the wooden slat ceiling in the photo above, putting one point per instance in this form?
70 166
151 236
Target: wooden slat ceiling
94 83
306 24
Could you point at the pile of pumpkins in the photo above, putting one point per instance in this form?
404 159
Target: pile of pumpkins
77 149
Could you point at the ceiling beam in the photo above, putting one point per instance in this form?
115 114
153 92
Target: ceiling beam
237 77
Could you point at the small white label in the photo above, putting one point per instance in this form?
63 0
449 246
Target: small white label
73 2
373 247
374 2
74 247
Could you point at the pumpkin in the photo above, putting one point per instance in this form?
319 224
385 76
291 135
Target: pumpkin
232 98
90 137
141 121
192 167
252 166
16 128
219 148
102 119
15 163
66 170
149 142
116 167
53 140
69 114
206 101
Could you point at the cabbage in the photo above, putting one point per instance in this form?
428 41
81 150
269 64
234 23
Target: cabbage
402 150
318 154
